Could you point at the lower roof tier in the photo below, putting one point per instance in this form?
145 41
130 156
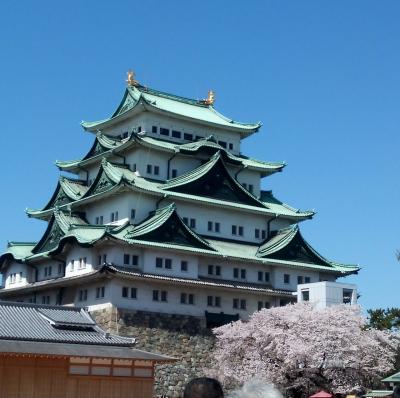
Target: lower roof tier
166 230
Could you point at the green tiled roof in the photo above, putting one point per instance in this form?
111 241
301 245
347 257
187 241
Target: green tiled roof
289 244
164 229
395 378
164 224
105 146
112 176
139 98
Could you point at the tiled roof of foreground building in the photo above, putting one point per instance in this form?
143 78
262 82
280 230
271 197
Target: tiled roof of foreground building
64 331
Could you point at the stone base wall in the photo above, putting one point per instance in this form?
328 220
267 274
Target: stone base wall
183 337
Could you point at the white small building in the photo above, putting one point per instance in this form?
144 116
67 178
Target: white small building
325 294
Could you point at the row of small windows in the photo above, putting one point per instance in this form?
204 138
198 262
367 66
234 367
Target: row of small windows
186 136
212 226
153 169
100 292
300 279
114 216
80 264
16 277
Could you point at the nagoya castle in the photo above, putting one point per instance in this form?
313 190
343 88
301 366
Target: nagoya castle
165 215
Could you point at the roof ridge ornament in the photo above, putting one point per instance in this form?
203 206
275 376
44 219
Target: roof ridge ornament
210 98
131 78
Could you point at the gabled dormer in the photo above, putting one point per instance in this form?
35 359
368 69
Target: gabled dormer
212 179
164 226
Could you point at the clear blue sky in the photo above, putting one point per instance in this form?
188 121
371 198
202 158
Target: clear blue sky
322 76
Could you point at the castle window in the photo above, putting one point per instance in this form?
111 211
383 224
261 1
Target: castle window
192 223
126 259
286 278
299 280
199 137
236 272
243 304
262 305
214 301
60 268
184 265
149 169
187 298
235 303
168 263
164 295
222 143
243 273
133 214
160 295
164 131
45 299
213 226
83 294
263 234
185 220
188 137
305 295
125 135
139 129
82 264
230 146
100 292
174 173
114 216
250 188
307 279
154 129
156 170
234 230
240 231
97 220
129 292
135 259
214 270
159 262
257 233
176 134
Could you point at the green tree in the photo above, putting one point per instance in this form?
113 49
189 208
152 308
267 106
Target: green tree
385 319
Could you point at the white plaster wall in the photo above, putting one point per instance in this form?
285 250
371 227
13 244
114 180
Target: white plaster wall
144 300
203 213
250 177
149 264
227 267
148 119
144 156
278 277
72 261
16 268
54 269
126 125
123 203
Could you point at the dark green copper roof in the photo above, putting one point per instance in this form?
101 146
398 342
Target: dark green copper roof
165 230
187 187
106 146
140 98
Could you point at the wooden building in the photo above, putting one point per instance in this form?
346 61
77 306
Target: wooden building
60 352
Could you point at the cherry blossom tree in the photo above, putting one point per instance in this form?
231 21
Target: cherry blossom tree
301 349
